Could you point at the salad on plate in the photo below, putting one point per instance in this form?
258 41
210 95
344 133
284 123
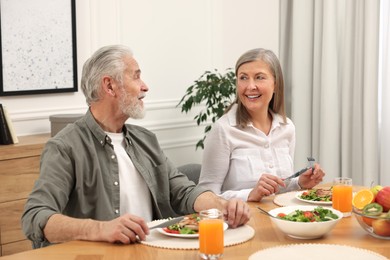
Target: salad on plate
188 226
317 196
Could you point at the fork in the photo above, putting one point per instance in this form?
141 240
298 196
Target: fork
263 211
311 161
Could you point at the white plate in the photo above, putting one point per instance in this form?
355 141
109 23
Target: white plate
231 237
298 197
162 231
287 199
315 251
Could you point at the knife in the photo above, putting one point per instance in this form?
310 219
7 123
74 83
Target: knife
168 222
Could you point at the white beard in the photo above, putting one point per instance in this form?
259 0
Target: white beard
132 108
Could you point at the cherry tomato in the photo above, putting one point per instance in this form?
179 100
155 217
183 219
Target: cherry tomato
308 214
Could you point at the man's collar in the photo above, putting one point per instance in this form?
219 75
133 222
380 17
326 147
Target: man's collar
95 128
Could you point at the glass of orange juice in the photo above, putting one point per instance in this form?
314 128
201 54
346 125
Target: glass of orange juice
211 234
342 195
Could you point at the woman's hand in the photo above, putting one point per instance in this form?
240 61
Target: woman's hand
311 178
268 184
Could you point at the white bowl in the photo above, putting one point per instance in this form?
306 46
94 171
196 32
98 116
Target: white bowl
303 230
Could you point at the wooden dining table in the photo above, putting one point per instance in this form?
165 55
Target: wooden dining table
346 232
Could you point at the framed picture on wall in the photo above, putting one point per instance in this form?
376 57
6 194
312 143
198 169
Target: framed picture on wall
37 47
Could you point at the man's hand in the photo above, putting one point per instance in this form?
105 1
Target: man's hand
125 229
236 212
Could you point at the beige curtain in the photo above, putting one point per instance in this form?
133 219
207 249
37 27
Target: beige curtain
329 53
384 93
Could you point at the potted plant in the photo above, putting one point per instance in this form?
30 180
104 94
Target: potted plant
216 91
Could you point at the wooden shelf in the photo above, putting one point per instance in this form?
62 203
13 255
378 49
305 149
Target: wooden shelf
28 146
19 164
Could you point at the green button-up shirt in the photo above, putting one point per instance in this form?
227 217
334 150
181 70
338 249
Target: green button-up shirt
79 177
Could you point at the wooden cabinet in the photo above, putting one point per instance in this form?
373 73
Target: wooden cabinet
19 168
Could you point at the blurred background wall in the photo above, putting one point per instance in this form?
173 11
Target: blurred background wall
174 42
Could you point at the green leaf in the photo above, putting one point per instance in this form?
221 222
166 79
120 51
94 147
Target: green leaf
216 91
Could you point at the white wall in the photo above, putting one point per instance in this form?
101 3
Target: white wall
174 42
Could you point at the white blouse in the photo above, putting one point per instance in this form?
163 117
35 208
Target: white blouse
235 158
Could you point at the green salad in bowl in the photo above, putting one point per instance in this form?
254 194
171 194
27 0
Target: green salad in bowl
318 214
305 222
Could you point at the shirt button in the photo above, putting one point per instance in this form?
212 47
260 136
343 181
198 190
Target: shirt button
116 183
113 156
117 211
271 166
266 145
101 142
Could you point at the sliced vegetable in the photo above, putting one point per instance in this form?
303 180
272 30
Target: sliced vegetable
172 231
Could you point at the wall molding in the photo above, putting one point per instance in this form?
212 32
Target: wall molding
153 123
169 124
39 114
179 143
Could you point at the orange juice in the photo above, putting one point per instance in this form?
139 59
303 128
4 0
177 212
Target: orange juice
342 198
211 236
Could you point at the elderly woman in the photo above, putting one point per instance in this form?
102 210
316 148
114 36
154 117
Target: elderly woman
250 149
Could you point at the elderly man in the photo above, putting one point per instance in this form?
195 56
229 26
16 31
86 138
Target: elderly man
102 179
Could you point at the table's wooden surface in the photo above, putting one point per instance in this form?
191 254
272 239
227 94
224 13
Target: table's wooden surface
346 232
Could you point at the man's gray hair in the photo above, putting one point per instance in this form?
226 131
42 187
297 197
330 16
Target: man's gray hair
106 61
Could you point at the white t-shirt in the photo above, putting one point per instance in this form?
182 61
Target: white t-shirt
135 196
235 158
